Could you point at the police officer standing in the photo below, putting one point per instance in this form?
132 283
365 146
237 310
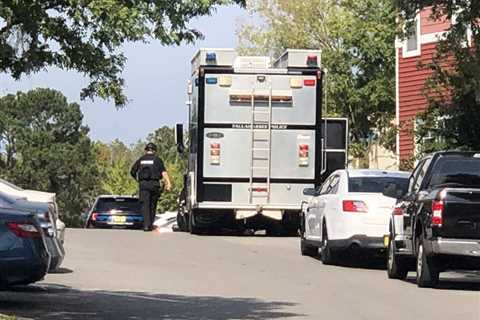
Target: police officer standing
148 170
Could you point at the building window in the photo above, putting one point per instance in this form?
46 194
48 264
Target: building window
412 45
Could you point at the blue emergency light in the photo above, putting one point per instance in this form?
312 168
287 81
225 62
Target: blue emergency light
211 80
211 57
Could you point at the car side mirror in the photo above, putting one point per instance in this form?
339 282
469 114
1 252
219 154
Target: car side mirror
179 137
311 192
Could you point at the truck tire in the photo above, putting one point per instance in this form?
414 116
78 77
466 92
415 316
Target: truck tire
396 266
182 220
427 271
327 255
193 226
305 248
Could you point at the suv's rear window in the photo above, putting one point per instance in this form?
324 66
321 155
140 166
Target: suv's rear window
456 171
121 204
375 184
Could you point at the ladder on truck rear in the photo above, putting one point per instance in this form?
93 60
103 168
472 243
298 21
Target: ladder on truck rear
261 146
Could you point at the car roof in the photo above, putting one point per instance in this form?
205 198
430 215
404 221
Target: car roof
377 173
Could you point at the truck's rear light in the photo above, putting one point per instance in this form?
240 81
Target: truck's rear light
354 206
437 213
24 230
296 83
312 61
215 153
225 81
310 82
303 154
94 216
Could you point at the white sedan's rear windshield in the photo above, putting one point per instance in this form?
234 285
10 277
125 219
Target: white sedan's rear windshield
375 184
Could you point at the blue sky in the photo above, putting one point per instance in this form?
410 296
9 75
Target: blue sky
156 79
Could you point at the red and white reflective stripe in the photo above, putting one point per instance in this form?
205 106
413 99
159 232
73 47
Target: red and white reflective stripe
215 153
354 206
303 154
437 212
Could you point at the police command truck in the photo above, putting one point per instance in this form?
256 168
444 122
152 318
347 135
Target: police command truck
256 139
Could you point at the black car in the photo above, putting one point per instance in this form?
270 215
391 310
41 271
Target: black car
115 211
436 223
24 257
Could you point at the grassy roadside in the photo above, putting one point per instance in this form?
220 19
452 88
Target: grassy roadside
4 317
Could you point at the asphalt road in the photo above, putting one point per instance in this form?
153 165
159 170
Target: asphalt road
119 274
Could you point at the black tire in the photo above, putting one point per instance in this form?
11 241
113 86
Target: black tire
307 250
327 255
182 220
193 226
427 272
396 266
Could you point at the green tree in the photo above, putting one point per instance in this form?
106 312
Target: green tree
356 38
114 163
87 35
453 91
46 147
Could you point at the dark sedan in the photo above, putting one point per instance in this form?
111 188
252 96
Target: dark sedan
24 257
115 211
45 217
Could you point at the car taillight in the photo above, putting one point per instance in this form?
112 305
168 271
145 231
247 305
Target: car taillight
354 206
94 216
303 154
437 212
398 211
24 230
215 153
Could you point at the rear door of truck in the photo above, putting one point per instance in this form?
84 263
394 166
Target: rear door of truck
227 145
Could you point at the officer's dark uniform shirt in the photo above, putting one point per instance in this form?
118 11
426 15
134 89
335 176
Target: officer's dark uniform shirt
148 170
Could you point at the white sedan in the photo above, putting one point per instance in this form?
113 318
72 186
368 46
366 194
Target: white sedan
349 211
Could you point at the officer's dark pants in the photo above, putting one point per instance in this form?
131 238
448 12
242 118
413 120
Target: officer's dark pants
149 198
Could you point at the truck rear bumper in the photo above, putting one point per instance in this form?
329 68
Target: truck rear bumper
242 212
458 247
257 207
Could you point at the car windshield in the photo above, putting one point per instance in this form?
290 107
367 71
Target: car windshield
376 184
456 172
121 204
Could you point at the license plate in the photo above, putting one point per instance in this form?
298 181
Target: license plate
119 219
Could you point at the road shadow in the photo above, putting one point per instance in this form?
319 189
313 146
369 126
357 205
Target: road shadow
464 281
359 261
58 302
